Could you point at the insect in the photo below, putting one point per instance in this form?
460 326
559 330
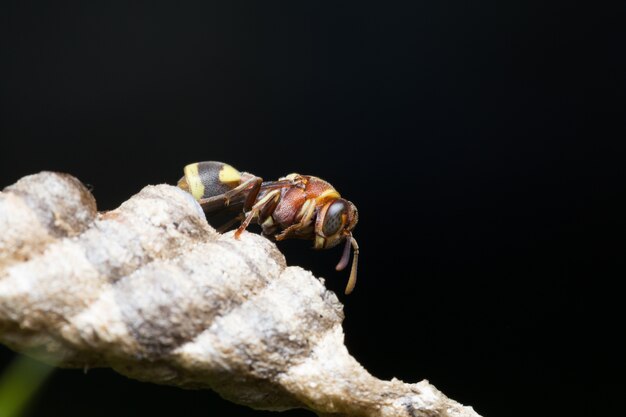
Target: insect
295 206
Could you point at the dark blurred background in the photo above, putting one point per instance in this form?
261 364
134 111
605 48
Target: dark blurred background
481 141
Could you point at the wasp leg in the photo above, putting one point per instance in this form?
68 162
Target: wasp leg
269 198
223 228
307 211
251 186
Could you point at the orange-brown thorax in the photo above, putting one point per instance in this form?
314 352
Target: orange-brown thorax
297 211
293 202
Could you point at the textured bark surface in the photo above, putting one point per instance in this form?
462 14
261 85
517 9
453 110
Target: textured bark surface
151 290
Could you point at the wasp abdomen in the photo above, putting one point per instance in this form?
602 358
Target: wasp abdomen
209 179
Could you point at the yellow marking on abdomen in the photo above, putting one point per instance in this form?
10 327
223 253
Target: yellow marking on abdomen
194 182
228 174
272 194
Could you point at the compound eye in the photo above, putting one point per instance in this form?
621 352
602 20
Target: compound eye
333 220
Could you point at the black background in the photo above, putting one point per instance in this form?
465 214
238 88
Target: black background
481 141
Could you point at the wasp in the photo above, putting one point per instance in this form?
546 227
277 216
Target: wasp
295 206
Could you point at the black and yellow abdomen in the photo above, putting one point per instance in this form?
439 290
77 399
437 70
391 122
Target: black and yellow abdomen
209 179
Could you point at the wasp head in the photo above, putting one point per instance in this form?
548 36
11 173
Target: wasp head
334 224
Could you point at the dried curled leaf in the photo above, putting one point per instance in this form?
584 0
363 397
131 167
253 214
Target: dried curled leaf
151 290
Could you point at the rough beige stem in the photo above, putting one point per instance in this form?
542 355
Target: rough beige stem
151 290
